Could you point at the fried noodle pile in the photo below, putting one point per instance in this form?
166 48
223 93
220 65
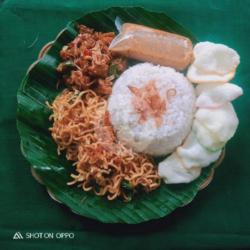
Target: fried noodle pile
82 129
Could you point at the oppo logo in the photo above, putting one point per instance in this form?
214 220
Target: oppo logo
43 235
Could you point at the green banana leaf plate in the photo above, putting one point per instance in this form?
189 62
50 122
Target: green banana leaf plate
39 86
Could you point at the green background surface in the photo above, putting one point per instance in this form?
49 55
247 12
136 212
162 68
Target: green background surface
218 218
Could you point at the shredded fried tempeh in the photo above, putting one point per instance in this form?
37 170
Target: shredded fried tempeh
87 61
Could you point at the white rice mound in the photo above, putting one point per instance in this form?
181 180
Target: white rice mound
146 137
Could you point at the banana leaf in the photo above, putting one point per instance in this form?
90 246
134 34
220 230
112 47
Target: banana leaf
39 86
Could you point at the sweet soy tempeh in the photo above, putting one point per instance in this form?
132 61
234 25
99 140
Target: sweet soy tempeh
152 45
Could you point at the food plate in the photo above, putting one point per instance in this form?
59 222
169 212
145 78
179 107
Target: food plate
40 86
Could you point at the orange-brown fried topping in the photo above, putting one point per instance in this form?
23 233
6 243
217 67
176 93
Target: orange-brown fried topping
87 61
148 102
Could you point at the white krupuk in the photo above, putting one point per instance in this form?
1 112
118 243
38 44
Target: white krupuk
172 171
213 63
200 88
206 138
193 154
218 95
198 76
221 122
215 120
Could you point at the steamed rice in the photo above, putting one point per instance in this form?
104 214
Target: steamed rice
176 123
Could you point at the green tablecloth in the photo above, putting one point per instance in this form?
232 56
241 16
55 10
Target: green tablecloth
219 216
